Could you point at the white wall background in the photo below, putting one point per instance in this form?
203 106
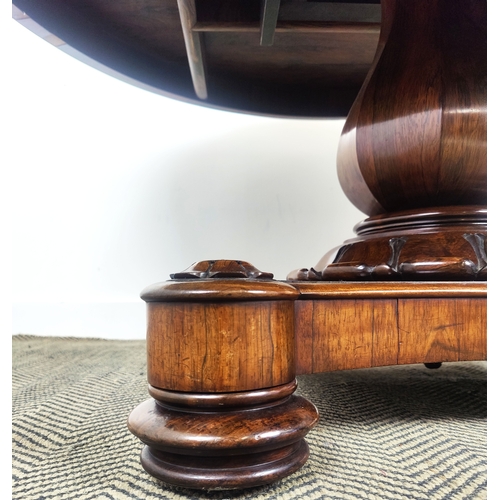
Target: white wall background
114 187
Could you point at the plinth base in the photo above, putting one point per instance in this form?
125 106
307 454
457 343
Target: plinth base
433 244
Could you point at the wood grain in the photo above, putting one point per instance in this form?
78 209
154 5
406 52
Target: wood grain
384 289
304 342
361 325
419 124
351 334
246 399
228 472
220 347
442 330
214 432
223 448
219 289
221 370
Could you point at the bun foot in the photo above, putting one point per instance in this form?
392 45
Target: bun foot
225 473
224 446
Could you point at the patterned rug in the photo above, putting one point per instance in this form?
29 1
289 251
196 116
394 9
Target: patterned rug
402 432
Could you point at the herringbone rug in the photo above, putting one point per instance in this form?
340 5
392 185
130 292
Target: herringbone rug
385 433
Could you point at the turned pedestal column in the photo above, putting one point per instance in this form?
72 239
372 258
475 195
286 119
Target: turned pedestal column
412 154
221 372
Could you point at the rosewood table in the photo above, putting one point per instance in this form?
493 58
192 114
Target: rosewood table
225 340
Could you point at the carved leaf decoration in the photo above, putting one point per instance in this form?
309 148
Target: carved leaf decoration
477 242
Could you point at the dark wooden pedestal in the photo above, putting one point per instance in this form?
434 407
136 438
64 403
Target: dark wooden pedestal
412 155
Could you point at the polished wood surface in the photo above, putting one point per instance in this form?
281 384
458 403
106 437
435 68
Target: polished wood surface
199 400
416 135
225 341
361 325
222 448
390 289
220 347
443 243
412 154
444 330
221 289
223 441
214 432
219 472
211 325
221 372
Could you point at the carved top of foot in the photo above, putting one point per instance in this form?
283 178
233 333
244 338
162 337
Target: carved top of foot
221 269
219 280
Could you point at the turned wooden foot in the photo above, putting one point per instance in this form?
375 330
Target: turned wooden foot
223 441
221 370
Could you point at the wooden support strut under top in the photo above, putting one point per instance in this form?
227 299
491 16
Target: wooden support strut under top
268 20
336 18
194 46
194 42
287 27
